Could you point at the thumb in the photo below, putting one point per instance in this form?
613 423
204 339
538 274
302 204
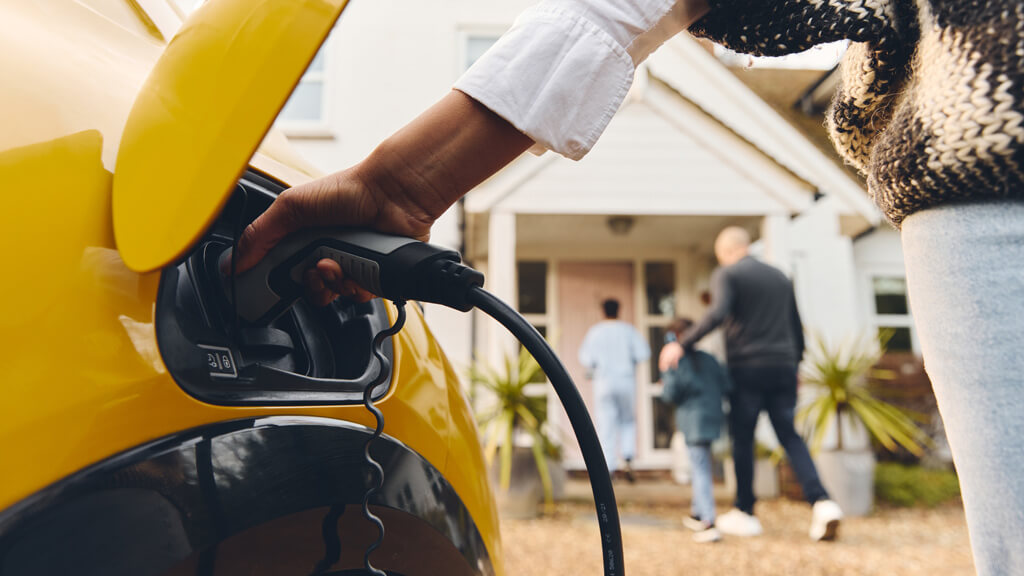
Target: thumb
265 232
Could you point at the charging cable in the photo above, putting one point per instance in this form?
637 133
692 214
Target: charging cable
402 269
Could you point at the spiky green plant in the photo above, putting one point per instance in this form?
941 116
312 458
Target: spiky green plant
843 374
514 410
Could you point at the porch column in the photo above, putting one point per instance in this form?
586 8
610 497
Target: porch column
501 280
775 233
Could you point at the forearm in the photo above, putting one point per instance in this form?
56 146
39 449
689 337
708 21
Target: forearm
712 320
440 156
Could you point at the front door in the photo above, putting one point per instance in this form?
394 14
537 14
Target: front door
582 287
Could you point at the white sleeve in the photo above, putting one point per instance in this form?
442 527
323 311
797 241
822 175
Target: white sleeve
563 69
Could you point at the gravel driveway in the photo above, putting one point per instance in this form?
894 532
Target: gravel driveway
891 542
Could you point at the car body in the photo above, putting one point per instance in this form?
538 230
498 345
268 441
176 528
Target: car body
141 430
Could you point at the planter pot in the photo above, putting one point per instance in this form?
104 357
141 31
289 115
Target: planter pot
766 478
526 492
849 477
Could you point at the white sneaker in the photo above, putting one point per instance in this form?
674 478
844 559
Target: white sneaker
736 522
694 524
707 535
825 521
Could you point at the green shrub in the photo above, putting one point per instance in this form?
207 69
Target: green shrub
908 486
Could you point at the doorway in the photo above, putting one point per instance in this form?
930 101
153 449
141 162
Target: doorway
582 287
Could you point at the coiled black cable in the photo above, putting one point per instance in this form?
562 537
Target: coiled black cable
377 483
579 417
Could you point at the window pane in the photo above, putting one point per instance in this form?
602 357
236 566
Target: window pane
890 295
533 287
475 48
306 103
660 279
664 424
656 339
900 341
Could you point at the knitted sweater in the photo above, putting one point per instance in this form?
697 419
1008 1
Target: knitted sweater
931 102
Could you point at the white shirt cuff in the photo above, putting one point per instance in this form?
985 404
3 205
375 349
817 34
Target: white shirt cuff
556 76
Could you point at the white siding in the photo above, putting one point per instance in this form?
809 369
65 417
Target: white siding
644 165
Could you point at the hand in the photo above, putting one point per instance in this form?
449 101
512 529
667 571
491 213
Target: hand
670 355
341 199
401 188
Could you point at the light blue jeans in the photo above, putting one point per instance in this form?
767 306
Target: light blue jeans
965 276
703 504
616 423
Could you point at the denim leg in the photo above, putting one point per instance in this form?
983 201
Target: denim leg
745 408
966 284
608 428
781 405
703 490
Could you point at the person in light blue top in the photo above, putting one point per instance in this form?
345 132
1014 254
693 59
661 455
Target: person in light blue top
610 352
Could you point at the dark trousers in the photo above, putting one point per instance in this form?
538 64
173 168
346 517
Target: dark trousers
771 388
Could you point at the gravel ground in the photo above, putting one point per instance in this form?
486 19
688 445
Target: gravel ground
891 542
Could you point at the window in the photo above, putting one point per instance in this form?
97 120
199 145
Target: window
892 312
305 108
890 295
660 283
474 47
656 339
533 304
664 423
533 287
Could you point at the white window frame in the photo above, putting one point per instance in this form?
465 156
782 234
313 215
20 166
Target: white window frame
878 321
320 128
544 320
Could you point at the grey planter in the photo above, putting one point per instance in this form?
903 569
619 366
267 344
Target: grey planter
849 477
526 492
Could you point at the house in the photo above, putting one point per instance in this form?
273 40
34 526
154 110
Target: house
692 150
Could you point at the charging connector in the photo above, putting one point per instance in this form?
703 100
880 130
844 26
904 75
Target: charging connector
400 269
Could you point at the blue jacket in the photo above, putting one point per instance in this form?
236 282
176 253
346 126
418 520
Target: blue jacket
696 388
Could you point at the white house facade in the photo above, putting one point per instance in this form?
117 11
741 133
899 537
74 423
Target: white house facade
692 150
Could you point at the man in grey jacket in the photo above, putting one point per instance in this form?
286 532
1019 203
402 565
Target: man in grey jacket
756 307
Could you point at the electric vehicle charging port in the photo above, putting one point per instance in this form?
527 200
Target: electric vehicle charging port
307 355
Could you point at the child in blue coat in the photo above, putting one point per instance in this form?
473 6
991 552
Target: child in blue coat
696 388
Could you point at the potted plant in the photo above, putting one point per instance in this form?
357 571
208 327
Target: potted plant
848 414
509 414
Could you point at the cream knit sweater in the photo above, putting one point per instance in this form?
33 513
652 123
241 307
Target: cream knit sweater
931 104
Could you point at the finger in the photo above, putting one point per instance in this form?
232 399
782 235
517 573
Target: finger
354 291
332 274
264 233
316 292
334 278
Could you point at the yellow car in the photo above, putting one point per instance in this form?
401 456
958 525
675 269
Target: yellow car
143 429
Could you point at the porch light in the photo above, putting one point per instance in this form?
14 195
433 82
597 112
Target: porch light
621 225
